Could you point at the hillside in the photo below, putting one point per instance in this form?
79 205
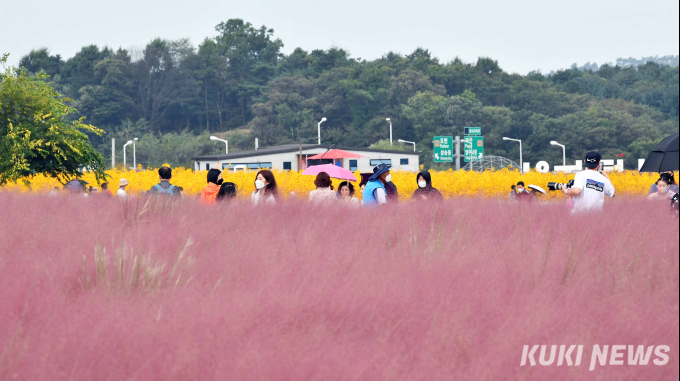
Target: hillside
173 96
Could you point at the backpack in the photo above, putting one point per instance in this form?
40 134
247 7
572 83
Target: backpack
160 190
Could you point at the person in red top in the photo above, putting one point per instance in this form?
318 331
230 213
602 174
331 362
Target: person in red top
522 193
210 191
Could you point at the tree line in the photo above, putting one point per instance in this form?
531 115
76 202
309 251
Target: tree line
239 85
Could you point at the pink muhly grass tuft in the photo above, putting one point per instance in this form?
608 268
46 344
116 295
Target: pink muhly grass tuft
104 289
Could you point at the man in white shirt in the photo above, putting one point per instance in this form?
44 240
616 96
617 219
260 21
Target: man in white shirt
590 186
121 188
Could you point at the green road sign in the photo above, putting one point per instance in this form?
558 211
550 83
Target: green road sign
473 131
474 148
443 149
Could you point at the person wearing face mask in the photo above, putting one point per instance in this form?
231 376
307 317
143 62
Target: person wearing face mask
266 190
669 178
375 193
425 190
663 190
522 193
210 191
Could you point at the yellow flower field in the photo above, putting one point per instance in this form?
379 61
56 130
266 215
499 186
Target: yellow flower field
450 183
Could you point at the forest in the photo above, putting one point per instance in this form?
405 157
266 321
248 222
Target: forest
238 85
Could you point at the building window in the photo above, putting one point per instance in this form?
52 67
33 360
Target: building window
247 165
375 162
311 163
403 161
353 166
207 166
287 166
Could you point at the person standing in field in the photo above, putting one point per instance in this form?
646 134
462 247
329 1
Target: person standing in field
425 189
164 187
266 191
391 192
663 190
590 186
122 184
228 192
346 194
323 192
522 193
105 189
210 191
669 178
375 193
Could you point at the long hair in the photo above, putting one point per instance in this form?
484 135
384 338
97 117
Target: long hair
271 188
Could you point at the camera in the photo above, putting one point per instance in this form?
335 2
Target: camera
558 186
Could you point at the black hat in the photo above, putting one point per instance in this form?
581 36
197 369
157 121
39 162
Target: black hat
364 178
592 159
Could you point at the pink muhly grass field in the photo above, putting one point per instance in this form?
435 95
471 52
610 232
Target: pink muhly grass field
100 289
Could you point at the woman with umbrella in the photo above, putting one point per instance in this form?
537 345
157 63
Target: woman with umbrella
663 190
323 193
669 178
324 173
346 194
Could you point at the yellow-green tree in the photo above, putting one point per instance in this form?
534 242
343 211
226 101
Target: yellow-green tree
35 136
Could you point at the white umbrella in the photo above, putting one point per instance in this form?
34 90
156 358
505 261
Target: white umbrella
536 188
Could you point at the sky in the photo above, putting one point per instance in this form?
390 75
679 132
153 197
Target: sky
523 35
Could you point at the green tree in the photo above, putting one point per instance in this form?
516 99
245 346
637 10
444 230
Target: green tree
34 135
252 55
426 113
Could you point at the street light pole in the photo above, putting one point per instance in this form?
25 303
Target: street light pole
319 126
134 153
215 138
125 154
406 141
521 170
564 152
390 122
300 161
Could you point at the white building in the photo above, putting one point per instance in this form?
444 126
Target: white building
294 157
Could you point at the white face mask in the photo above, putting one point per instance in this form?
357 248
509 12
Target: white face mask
520 190
388 178
422 184
259 184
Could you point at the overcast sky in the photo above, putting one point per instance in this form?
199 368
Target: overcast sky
522 35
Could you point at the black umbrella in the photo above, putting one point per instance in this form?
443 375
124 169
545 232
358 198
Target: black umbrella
664 157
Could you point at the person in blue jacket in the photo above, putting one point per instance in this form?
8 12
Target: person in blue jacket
375 193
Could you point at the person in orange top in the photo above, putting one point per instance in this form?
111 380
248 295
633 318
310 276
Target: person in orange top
209 193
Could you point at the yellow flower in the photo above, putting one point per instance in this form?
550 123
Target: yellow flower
450 183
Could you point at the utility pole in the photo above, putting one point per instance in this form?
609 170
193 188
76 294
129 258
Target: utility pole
113 153
457 153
